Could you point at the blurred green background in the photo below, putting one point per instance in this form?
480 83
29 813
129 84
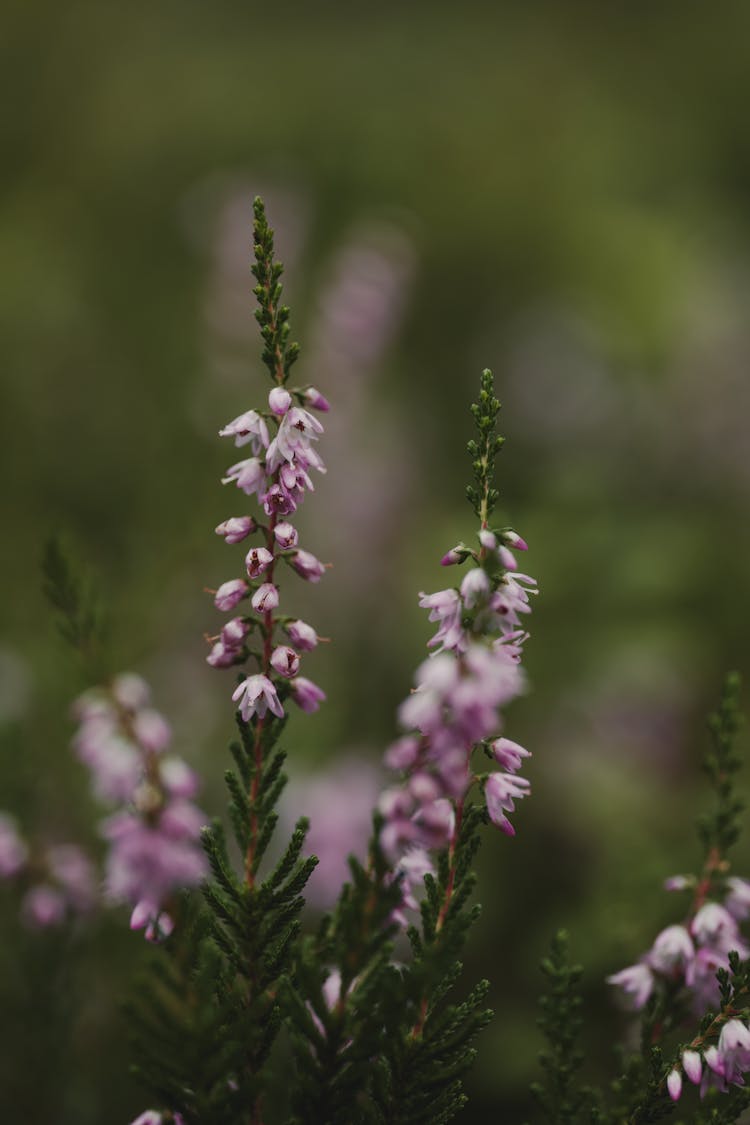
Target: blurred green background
556 190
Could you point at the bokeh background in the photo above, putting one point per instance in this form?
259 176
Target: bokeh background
560 191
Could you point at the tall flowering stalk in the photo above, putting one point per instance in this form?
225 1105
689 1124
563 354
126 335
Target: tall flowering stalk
281 441
373 1027
230 964
455 708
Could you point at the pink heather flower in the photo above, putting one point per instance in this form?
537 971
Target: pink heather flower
147 863
152 730
500 790
637 982
248 475
297 429
286 535
306 565
222 656
236 529
445 608
302 635
149 1117
276 501
511 539
507 558
714 926
508 754
316 400
257 560
256 695
158 926
734 1051
307 695
475 587
230 594
737 901
234 632
512 598
672 950
249 427
265 598
130 691
13 851
436 821
279 400
488 539
285 661
713 1075
692 1064
674 1084
700 977
74 875
676 883
456 555
177 778
402 754
43 906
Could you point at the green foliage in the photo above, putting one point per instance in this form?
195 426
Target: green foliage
391 1048
483 495
70 591
720 830
273 317
561 1100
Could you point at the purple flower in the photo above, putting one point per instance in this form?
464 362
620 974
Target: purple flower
306 565
43 906
230 594
249 427
147 863
714 926
222 656
737 901
279 401
692 1064
265 598
307 695
285 661
248 475
316 400
286 535
256 695
302 635
152 730
445 608
257 560
298 428
508 754
234 632
74 874
672 950
734 1051
637 982
236 529
674 1084
500 790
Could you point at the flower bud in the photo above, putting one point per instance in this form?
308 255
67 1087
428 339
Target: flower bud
307 566
285 661
265 598
279 400
236 528
307 695
286 535
316 400
257 560
230 594
302 635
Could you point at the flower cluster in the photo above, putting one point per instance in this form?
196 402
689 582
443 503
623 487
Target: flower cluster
456 706
720 1065
154 839
690 955
281 444
60 880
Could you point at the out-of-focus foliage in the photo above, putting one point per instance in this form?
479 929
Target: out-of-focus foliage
556 191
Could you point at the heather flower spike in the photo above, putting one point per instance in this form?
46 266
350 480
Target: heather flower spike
460 691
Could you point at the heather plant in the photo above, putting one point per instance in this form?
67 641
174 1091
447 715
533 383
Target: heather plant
249 1011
